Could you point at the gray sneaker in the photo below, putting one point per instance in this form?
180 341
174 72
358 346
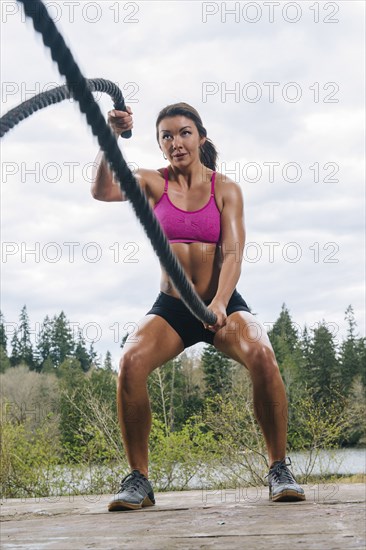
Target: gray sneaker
282 484
134 493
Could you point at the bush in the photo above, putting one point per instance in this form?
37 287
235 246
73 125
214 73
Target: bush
29 460
316 425
176 457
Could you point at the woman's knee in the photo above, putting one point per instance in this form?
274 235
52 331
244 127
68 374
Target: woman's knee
262 361
132 369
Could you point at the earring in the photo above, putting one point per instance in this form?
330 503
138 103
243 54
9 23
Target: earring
166 158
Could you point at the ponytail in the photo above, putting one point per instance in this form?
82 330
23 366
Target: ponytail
208 154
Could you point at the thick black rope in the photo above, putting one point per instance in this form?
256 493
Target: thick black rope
79 89
44 99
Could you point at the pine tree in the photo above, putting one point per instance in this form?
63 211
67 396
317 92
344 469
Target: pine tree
349 357
107 365
3 337
283 336
361 353
26 348
217 372
4 359
287 348
63 344
322 371
305 347
48 366
44 345
15 357
81 353
306 341
93 357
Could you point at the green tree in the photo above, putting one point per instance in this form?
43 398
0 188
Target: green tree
321 369
48 366
44 344
25 344
355 434
349 357
93 357
4 359
83 396
305 344
287 347
81 353
361 352
3 337
62 339
15 357
174 394
107 365
164 385
283 336
217 369
191 392
72 380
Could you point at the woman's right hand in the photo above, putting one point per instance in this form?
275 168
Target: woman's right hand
120 121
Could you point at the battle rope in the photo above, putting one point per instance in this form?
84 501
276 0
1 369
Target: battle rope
80 91
44 99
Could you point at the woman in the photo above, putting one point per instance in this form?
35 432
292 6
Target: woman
201 212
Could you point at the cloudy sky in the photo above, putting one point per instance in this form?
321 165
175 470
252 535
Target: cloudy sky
280 88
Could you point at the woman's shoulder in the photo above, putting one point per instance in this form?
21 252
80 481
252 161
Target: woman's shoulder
226 184
229 192
147 174
150 180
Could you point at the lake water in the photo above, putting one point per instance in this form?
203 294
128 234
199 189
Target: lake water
207 476
338 461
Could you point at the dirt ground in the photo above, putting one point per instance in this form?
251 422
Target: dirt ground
333 517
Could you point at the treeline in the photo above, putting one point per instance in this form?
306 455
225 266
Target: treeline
311 363
59 405
55 342
311 360
313 357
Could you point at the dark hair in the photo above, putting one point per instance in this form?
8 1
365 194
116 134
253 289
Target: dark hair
208 152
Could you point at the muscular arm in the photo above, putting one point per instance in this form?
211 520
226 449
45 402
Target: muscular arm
233 241
104 188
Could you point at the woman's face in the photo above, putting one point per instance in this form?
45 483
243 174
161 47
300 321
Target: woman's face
179 140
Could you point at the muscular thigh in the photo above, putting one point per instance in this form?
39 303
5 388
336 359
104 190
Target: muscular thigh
153 343
242 338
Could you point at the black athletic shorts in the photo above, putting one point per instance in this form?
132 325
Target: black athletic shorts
189 328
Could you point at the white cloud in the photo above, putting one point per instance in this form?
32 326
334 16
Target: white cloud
167 56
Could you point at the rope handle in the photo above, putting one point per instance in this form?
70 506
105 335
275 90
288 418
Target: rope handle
56 95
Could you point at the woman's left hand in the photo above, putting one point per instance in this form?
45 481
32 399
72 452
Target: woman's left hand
219 310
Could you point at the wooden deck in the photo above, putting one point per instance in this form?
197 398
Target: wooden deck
333 517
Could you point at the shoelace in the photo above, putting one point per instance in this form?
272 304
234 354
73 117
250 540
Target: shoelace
281 473
130 481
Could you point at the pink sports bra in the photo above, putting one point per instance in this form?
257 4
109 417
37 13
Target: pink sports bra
182 226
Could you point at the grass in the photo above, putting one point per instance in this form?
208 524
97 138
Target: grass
334 478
